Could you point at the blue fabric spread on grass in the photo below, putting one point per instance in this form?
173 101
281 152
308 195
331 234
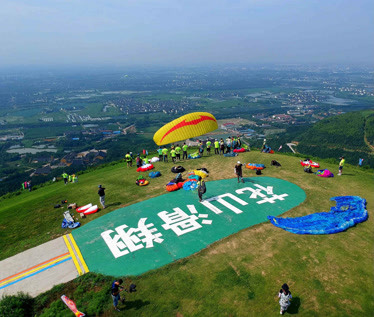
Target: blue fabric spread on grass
154 174
230 154
193 156
349 211
69 224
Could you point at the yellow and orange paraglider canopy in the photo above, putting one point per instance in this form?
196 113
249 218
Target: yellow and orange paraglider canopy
187 126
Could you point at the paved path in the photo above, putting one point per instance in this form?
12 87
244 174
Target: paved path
38 269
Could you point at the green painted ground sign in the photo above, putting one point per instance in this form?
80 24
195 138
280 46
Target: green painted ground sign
147 235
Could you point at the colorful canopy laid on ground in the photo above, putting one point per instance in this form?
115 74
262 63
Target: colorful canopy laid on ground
349 210
267 149
154 174
145 168
240 150
201 173
253 166
230 154
194 155
324 173
309 163
188 126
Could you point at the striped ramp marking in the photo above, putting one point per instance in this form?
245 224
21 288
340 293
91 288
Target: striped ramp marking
36 269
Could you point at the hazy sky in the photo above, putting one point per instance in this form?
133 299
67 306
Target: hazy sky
185 32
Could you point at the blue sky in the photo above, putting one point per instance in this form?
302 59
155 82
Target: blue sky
185 32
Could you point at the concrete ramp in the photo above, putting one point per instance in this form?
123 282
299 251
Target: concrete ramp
39 269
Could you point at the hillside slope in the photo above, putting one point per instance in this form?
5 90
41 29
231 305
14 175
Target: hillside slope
330 274
344 135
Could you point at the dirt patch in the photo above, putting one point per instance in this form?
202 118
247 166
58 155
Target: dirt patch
236 121
234 268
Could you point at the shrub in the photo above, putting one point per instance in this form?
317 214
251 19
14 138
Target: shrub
17 305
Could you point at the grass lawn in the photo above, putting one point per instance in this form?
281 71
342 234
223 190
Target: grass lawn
329 275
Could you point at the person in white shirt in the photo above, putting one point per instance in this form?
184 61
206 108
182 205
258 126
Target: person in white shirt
284 298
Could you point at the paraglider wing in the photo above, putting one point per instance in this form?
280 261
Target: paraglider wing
188 126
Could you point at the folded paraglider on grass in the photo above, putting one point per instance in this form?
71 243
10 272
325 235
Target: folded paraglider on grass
230 154
141 181
349 211
154 174
194 155
254 166
307 163
324 173
177 169
145 168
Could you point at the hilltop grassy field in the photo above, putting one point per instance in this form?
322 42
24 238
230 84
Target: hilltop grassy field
349 135
329 275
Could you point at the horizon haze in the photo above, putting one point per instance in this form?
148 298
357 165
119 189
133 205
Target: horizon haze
184 33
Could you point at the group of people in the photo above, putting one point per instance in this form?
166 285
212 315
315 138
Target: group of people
175 153
27 185
284 295
221 146
69 178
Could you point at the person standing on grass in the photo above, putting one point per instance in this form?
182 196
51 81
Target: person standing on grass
228 144
239 142
221 147
216 146
178 150
341 165
128 159
185 147
101 193
159 152
201 148
165 154
208 144
173 155
139 161
239 172
233 142
116 289
65 177
284 296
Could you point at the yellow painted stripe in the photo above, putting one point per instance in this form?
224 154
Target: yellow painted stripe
30 268
73 255
34 270
78 252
